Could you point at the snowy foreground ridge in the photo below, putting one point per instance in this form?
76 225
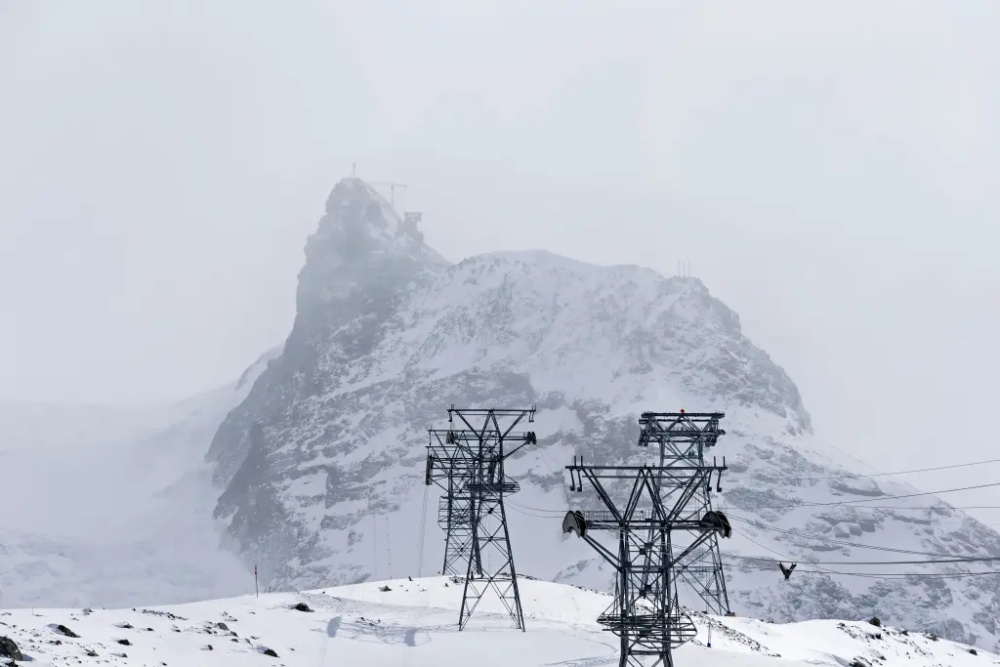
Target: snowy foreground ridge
414 623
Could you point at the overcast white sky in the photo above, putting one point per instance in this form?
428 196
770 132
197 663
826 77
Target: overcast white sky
826 167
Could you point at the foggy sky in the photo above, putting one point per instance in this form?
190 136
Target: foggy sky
825 167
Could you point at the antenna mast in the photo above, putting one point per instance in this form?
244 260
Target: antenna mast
392 190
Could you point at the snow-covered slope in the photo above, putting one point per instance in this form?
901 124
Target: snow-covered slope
414 623
321 467
116 515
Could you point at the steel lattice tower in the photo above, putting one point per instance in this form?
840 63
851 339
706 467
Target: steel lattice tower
645 613
683 438
451 468
468 464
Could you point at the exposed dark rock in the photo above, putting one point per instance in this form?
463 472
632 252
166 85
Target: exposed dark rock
8 649
63 630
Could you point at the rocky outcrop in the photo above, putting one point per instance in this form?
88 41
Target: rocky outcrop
8 649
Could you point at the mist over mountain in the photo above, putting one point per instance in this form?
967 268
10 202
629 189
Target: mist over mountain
320 468
113 506
310 466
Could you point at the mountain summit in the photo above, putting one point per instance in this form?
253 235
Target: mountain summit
358 262
322 465
359 238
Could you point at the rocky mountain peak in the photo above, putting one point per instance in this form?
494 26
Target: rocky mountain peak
360 262
359 238
322 466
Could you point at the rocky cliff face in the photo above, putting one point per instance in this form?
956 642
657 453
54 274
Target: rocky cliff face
360 264
321 467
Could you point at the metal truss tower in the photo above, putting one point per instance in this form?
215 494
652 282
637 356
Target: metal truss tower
683 438
467 462
451 469
645 613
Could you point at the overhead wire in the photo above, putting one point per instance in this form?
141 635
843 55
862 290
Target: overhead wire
940 558
830 540
865 575
842 503
535 512
926 561
934 557
860 501
766 548
947 508
937 558
915 470
967 464
905 575
883 576
934 508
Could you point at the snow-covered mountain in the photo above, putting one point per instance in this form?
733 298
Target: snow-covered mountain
320 468
114 506
317 452
414 623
